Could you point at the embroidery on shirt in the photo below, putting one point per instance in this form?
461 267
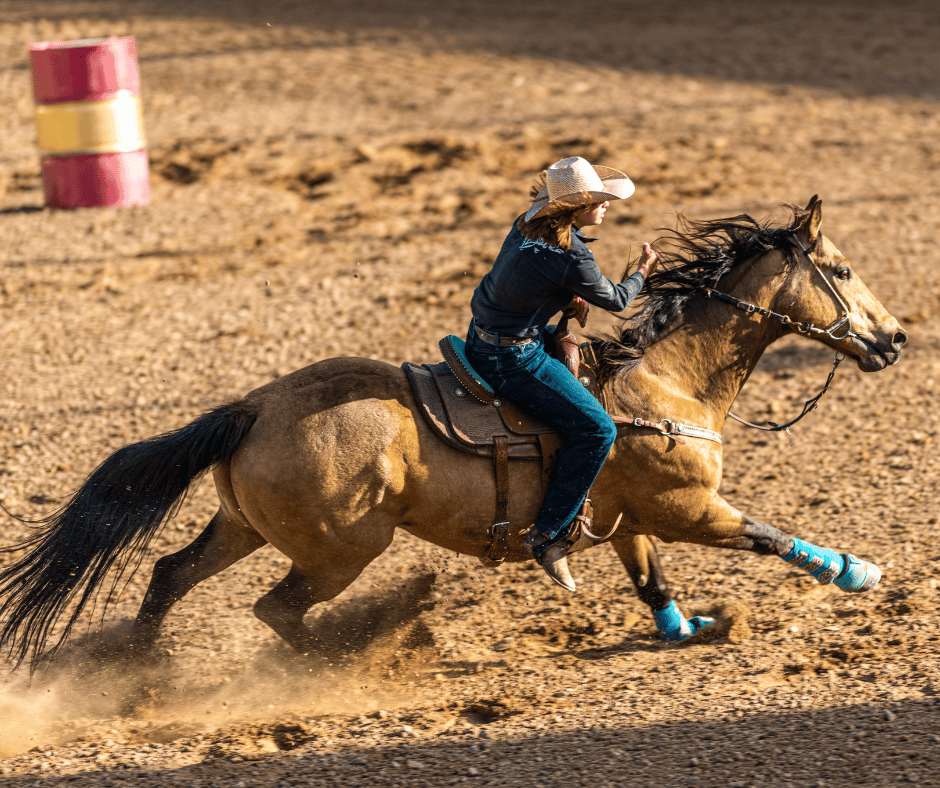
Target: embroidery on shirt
526 243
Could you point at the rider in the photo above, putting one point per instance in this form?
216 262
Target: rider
543 265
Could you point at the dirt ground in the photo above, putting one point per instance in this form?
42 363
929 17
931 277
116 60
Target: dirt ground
333 179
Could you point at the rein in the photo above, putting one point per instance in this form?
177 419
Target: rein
808 406
802 327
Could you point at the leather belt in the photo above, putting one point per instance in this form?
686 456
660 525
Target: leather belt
501 341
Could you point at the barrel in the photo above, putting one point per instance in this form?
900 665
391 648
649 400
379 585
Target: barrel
89 124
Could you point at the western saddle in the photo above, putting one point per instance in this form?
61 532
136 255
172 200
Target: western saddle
463 411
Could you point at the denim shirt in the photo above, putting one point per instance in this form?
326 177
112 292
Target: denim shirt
531 281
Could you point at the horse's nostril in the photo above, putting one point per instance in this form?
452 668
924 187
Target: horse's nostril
899 339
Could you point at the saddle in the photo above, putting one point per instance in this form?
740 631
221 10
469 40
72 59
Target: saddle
463 411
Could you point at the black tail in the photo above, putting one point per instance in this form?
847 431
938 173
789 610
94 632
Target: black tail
107 524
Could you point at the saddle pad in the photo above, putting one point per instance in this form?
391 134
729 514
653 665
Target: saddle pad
469 425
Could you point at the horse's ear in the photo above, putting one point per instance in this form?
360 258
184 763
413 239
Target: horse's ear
814 220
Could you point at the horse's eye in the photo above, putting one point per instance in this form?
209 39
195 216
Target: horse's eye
845 273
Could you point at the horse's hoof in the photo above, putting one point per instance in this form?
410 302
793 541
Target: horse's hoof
698 623
688 628
674 627
858 575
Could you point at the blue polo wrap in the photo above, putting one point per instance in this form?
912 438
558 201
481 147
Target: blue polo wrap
821 562
673 626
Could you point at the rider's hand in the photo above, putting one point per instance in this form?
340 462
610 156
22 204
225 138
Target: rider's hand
578 309
648 261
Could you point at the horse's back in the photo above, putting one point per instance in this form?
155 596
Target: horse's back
332 382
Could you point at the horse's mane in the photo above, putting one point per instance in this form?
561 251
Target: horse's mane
693 256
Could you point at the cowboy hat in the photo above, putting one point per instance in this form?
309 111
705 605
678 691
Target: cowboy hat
573 181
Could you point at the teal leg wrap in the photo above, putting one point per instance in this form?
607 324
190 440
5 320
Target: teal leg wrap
827 566
673 626
821 562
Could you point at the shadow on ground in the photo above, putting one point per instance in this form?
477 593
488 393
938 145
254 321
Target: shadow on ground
875 745
840 45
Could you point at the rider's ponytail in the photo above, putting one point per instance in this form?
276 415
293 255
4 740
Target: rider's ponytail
553 228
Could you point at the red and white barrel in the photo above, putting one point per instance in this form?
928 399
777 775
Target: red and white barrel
89 124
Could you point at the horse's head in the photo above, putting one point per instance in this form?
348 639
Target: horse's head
825 292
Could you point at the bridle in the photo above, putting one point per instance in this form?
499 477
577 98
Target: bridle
802 327
846 312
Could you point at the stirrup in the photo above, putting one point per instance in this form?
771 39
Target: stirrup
498 548
584 520
583 523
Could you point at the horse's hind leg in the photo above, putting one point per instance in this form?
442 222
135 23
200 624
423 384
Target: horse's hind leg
283 608
330 566
641 561
222 543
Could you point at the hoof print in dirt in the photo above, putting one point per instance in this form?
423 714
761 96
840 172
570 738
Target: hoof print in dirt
252 743
730 625
486 711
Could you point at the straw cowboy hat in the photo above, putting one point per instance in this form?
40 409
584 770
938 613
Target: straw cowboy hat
573 181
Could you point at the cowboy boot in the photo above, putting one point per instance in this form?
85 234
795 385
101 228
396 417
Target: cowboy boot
553 559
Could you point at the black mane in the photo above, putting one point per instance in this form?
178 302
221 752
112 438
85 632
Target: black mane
694 256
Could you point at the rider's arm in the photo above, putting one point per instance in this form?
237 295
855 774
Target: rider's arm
586 280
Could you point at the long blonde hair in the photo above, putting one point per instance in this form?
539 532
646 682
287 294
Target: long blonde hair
553 228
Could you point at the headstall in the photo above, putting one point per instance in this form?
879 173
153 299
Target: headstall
802 327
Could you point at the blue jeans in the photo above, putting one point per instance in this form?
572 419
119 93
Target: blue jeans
543 387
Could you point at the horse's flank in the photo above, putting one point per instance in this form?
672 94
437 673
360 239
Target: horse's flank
347 434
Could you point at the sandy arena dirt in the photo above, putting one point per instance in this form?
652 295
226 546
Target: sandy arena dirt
333 179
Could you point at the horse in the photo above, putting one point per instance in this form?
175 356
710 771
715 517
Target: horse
326 463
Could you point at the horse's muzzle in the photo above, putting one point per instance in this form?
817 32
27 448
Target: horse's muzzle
875 355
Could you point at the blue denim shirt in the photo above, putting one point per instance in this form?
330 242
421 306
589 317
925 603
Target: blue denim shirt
530 282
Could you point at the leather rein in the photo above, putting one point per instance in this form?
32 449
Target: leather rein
802 327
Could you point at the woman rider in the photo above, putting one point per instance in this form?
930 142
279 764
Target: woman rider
545 263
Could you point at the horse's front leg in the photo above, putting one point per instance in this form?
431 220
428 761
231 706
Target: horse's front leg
641 561
716 523
843 570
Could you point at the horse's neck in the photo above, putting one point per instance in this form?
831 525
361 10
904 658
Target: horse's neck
695 371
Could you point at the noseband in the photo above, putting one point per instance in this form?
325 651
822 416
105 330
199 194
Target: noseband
802 327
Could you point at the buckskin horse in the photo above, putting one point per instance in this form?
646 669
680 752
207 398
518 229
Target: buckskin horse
327 462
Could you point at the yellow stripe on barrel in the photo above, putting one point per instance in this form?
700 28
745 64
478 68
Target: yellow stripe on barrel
114 125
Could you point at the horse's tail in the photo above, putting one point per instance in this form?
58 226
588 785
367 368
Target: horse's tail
107 524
